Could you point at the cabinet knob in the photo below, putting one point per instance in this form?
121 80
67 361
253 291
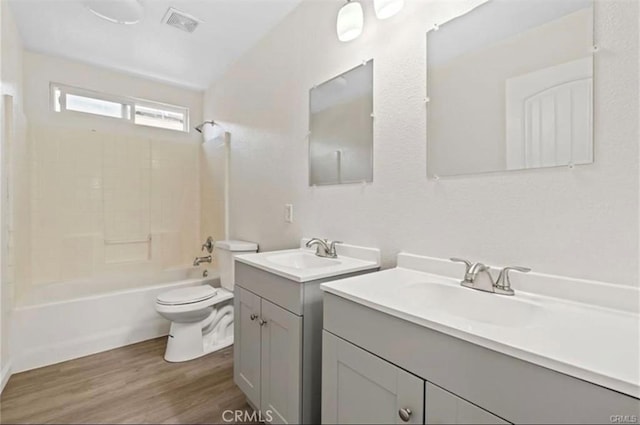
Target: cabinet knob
405 414
262 322
253 317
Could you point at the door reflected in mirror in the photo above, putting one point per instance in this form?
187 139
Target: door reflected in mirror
510 87
341 128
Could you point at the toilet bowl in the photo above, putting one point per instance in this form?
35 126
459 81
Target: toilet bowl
202 316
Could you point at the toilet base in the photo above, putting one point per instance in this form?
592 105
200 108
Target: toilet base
186 342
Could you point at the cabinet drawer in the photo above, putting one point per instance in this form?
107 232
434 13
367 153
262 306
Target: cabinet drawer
283 292
443 407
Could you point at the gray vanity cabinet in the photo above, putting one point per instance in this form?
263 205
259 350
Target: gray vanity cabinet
268 357
464 382
443 407
360 388
278 344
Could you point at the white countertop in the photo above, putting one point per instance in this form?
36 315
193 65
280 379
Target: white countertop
351 259
590 342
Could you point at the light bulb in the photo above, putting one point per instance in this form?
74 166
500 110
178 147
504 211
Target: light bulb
350 21
387 8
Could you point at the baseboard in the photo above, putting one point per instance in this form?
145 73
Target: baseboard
46 355
5 374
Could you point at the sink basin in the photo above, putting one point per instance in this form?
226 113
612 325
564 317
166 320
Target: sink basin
470 304
302 265
301 260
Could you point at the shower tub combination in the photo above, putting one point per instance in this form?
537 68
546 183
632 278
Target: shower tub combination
67 320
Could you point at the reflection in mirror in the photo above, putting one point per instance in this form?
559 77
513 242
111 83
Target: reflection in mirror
510 87
341 128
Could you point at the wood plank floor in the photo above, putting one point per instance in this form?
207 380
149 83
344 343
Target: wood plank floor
131 384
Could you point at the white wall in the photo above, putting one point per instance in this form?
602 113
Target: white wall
15 184
96 179
580 223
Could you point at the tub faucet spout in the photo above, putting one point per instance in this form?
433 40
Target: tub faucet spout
200 260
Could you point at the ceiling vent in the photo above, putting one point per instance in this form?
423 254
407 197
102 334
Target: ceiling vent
183 21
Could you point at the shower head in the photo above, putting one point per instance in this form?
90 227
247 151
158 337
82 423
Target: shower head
201 126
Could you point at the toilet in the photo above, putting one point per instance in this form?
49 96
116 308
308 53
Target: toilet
202 316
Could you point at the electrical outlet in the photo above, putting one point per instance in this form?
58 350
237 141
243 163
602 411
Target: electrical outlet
288 213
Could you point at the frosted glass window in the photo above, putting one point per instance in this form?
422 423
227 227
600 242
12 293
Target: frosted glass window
94 106
161 118
145 112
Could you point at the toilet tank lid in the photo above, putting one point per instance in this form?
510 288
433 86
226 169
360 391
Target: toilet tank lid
237 246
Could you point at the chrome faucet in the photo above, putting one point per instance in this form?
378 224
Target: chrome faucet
478 276
324 248
200 260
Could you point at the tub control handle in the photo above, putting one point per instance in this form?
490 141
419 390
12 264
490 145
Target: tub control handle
209 244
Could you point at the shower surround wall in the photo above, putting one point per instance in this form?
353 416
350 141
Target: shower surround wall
580 223
213 180
107 198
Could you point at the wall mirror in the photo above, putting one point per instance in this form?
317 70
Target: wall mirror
510 87
341 128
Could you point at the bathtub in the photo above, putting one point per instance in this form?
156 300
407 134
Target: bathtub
68 320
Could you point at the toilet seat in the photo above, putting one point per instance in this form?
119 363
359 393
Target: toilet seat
190 295
220 296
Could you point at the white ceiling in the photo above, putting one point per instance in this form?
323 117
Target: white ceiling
151 49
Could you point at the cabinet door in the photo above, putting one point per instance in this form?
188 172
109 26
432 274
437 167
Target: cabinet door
360 388
281 365
246 350
443 407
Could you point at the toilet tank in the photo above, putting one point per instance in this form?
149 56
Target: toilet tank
225 253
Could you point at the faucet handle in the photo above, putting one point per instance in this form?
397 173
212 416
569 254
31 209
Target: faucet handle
467 263
332 249
468 266
503 281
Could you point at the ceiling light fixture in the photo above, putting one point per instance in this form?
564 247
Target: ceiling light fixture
387 8
350 21
126 12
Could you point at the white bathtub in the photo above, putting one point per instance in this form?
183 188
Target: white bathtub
59 323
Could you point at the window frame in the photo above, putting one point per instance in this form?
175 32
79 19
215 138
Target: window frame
129 105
